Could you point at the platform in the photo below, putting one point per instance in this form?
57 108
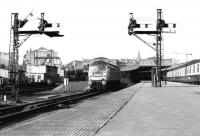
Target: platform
172 110
140 110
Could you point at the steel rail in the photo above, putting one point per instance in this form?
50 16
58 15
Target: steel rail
8 113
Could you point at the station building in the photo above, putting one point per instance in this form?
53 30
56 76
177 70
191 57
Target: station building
42 56
75 64
141 70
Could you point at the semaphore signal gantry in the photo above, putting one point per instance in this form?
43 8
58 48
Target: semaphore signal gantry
15 43
160 24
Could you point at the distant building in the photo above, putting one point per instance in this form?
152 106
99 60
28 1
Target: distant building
4 60
146 64
42 73
42 56
123 62
76 64
130 61
152 62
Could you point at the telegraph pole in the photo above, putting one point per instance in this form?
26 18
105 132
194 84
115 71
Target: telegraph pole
14 45
160 24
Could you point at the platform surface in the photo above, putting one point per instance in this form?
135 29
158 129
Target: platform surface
173 110
83 119
140 110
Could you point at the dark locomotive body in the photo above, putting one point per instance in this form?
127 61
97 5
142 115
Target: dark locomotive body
103 76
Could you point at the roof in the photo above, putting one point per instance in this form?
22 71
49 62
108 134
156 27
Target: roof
100 62
100 58
152 62
145 63
181 65
129 67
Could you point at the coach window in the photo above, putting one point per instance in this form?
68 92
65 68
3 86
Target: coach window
186 70
197 67
193 68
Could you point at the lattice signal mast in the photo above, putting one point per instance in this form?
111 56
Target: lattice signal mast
160 24
14 45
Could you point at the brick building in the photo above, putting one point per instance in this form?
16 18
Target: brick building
42 56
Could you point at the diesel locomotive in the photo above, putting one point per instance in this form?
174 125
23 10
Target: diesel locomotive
103 76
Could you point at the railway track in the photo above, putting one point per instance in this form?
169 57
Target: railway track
9 113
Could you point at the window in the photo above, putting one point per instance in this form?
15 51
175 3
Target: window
39 78
188 70
193 68
197 67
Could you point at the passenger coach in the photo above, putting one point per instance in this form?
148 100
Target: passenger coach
188 72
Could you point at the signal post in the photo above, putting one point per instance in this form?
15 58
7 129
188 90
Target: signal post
160 24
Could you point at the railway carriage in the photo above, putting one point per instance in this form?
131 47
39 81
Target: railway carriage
103 75
188 72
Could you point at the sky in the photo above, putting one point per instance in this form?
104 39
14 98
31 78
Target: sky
94 28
